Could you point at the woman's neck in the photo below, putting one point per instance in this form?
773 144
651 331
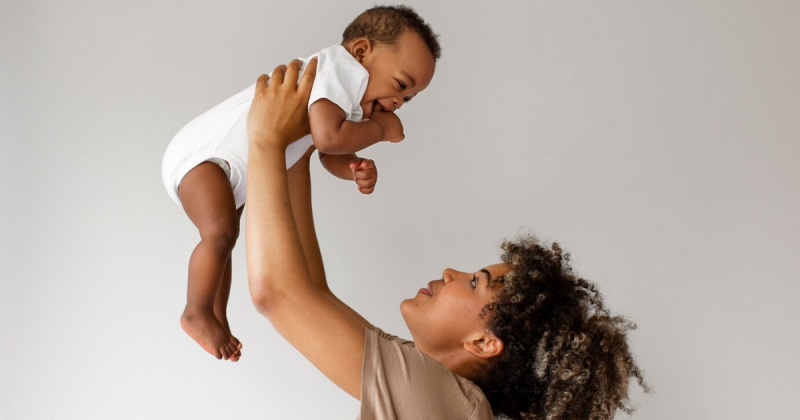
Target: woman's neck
457 360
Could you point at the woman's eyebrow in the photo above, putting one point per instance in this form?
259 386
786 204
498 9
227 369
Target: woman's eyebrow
488 276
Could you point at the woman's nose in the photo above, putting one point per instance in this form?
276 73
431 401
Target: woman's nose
449 275
398 102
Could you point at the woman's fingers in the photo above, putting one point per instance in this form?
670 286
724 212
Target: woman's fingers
279 112
292 74
308 78
261 83
277 75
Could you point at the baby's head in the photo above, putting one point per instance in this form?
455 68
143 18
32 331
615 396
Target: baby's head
398 49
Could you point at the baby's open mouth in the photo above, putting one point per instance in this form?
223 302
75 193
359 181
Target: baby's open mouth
370 109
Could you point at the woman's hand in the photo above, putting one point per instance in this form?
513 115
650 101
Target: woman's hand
279 113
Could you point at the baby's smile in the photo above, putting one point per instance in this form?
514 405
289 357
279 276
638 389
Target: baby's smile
369 107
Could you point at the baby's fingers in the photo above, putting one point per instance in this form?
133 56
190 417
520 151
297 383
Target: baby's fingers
364 173
363 190
365 182
355 163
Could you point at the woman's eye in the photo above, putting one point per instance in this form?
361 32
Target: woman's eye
474 282
402 86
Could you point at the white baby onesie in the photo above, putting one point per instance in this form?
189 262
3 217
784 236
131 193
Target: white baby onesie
220 134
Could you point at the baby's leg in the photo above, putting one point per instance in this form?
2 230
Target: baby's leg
221 302
207 198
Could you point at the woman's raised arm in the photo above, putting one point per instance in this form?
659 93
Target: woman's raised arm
300 198
279 276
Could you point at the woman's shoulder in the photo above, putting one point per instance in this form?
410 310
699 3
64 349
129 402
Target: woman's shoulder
386 336
401 382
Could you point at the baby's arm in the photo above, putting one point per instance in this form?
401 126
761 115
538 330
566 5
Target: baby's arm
334 134
338 165
353 168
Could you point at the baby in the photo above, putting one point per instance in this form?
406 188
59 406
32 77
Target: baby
387 56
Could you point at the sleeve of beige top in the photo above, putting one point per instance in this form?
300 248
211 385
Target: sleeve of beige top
399 382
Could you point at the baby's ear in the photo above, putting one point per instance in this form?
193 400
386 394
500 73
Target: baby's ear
361 48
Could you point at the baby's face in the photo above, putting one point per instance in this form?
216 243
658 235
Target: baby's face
396 72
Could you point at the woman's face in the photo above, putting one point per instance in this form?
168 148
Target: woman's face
446 312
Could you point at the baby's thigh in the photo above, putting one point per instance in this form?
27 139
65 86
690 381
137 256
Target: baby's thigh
208 200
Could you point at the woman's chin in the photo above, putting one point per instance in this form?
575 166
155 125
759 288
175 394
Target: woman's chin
407 306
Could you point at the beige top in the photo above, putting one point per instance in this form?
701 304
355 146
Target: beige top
399 382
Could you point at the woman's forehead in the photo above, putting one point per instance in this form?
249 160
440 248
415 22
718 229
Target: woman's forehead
497 269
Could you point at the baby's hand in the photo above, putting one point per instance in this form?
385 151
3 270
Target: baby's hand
392 127
365 174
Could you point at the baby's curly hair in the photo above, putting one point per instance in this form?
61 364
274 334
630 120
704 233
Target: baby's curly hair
385 24
566 357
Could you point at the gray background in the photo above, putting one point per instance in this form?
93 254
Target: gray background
657 141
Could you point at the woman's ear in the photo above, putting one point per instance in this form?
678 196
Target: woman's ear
484 346
361 48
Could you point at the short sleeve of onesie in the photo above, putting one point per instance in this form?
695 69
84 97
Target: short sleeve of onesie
399 382
340 79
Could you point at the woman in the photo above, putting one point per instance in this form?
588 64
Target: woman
525 338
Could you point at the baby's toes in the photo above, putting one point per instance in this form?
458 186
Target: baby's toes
226 351
233 348
236 343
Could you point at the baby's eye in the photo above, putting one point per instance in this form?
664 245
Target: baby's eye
402 85
474 282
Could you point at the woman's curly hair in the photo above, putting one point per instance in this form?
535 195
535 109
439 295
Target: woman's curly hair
565 356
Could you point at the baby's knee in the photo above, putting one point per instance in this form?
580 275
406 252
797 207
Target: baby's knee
221 236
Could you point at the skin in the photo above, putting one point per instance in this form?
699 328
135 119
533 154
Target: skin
207 199
397 73
444 318
285 271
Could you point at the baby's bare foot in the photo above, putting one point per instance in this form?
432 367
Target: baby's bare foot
214 338
223 320
238 353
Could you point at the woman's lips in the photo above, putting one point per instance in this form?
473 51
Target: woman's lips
425 291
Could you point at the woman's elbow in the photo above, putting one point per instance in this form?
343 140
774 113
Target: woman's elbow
261 304
261 296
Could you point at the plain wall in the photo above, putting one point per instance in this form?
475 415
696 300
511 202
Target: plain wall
658 142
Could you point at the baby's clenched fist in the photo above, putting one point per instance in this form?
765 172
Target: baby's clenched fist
365 174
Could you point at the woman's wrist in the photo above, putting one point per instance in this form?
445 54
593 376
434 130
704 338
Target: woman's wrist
270 142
